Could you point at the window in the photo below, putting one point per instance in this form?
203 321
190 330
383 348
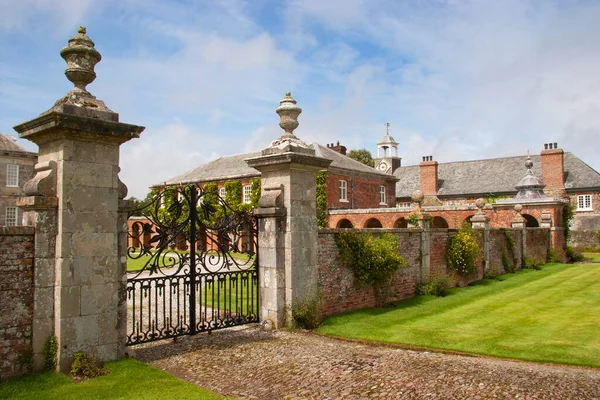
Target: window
343 191
584 202
382 195
404 204
222 193
247 193
11 216
12 175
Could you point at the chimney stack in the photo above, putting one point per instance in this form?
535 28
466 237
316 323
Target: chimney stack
429 176
553 170
339 148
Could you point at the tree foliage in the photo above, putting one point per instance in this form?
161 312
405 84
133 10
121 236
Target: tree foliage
362 155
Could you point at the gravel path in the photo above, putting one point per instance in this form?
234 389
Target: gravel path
248 363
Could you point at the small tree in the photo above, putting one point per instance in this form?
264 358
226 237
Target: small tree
362 155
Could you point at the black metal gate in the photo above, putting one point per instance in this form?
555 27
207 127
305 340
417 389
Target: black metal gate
192 265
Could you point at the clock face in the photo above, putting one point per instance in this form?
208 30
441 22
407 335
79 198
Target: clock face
383 166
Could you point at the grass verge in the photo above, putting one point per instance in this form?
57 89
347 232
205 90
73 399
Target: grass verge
127 379
593 257
544 316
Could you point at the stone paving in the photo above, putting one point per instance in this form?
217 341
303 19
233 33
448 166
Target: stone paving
248 363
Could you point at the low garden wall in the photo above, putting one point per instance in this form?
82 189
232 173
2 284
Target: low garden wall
16 298
505 254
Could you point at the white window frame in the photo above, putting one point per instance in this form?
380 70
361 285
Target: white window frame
343 191
247 194
13 216
12 175
404 204
584 202
222 192
382 199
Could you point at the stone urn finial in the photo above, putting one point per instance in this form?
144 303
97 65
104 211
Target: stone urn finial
81 58
288 113
518 208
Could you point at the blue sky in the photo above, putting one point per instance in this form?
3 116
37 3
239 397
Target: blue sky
456 79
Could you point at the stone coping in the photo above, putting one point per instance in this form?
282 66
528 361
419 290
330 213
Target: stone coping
17 230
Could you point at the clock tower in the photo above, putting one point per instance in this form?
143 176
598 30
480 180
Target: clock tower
387 153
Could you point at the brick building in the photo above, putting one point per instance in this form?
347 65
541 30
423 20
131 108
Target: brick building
16 168
349 185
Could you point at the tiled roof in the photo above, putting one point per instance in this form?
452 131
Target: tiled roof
492 176
7 144
231 167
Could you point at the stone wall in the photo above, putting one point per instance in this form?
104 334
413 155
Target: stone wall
336 281
16 297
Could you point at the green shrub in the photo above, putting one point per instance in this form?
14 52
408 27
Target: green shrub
50 353
492 272
463 251
307 314
413 219
321 199
84 367
532 263
372 259
553 256
435 287
598 235
509 268
574 255
25 361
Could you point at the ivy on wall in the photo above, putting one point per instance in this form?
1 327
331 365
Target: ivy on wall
372 259
321 199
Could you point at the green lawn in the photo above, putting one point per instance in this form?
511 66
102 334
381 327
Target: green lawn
552 315
128 379
593 257
229 295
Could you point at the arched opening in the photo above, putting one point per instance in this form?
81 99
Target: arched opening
530 221
468 220
373 223
439 222
401 223
135 236
344 224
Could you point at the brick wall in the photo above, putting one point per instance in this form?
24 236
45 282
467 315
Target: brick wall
362 192
16 296
336 281
537 243
499 245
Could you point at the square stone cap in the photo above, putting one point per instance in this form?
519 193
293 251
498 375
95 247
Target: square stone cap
270 160
59 125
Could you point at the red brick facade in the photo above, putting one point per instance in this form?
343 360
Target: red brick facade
16 297
361 192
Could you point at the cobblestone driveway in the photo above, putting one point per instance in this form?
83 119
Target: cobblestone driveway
250 364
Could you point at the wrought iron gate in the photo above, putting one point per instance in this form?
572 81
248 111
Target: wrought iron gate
195 266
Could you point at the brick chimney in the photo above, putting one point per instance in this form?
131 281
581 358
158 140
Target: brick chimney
429 176
339 148
553 170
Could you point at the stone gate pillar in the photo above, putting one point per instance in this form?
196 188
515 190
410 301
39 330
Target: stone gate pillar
288 234
83 296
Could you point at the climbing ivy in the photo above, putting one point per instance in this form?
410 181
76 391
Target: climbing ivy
372 259
322 199
233 194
